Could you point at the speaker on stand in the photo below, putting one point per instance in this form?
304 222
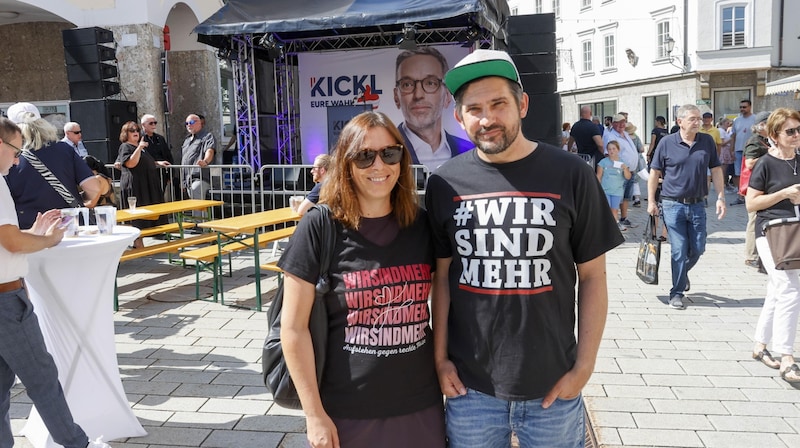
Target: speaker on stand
532 47
101 123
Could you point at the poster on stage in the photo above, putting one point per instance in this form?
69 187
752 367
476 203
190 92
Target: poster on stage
336 86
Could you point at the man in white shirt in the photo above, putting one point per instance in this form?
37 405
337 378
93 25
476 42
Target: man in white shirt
22 349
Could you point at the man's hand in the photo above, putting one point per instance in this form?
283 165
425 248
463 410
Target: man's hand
44 221
568 387
449 381
652 208
720 208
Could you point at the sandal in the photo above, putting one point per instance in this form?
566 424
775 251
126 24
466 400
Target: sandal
791 374
766 358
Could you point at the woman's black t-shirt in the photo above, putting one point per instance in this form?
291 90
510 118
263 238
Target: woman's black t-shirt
380 349
772 174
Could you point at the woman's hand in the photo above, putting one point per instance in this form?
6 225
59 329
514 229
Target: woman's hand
162 163
792 193
321 432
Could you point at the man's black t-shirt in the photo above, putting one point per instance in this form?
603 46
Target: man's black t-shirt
515 232
583 132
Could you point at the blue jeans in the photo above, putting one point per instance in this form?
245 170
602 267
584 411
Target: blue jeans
477 420
22 352
686 225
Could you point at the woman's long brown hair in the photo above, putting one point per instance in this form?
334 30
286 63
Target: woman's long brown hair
339 191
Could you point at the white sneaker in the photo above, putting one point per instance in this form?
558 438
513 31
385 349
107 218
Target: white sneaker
98 443
622 226
676 302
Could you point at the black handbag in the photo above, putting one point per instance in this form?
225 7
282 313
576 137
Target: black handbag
783 238
274 370
649 254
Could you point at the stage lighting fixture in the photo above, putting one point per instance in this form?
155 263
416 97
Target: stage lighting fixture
408 40
267 41
224 53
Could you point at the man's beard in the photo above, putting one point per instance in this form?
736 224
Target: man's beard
499 145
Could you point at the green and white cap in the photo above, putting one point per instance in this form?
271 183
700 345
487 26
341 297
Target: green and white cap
479 64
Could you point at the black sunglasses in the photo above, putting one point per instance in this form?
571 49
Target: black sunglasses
75 132
391 155
152 122
792 131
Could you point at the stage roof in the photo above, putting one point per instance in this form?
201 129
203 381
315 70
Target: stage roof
303 19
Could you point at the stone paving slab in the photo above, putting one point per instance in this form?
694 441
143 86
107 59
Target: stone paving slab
666 378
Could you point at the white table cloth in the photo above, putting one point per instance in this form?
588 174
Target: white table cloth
71 286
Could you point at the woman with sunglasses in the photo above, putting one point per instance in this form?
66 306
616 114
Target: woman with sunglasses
379 386
774 192
140 174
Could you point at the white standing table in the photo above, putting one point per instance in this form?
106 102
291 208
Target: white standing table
71 286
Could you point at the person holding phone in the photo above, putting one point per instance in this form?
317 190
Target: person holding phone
22 349
140 175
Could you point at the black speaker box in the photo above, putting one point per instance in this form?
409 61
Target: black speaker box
90 72
86 36
102 119
536 83
92 90
531 24
531 43
88 54
535 63
106 150
543 121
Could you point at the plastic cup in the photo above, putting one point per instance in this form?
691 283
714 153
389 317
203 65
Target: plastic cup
84 215
106 218
132 202
295 201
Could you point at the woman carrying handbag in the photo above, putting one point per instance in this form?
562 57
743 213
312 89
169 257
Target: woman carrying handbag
379 385
773 192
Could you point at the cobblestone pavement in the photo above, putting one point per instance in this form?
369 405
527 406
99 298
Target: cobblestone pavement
664 377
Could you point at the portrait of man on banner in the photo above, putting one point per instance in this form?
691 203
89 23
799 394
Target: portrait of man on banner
406 85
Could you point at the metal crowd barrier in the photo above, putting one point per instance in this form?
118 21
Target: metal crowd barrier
244 191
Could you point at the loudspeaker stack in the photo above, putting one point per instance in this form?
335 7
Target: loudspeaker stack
92 76
532 46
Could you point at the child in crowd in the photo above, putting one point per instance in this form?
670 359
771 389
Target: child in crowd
612 174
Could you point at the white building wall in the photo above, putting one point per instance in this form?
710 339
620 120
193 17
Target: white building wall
122 12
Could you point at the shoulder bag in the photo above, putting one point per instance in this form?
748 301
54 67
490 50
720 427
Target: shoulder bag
51 178
649 254
276 374
783 237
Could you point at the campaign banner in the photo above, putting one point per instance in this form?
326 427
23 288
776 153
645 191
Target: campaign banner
336 86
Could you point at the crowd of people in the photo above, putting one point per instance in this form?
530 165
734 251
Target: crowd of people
499 259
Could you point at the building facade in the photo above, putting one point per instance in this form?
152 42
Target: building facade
32 64
648 59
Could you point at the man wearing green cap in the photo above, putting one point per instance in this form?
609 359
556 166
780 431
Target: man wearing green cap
516 224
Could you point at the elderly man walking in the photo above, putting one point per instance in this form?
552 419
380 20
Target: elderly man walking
683 159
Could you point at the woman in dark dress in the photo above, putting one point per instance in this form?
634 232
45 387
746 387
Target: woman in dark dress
140 174
379 387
